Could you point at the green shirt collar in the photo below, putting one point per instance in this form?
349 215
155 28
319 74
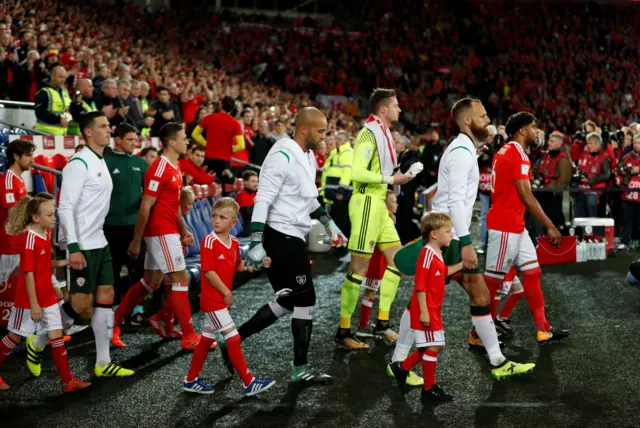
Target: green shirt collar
92 151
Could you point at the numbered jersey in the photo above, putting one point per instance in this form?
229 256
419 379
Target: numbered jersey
510 164
629 161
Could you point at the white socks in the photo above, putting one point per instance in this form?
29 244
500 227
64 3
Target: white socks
405 338
102 324
487 333
40 341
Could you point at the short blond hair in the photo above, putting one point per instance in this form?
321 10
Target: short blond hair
187 192
227 204
431 221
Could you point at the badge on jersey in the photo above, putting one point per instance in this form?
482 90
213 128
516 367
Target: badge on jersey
153 185
10 198
368 152
301 279
525 169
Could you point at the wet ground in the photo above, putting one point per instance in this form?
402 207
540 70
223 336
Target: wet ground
589 381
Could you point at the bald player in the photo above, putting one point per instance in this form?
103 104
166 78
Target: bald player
286 201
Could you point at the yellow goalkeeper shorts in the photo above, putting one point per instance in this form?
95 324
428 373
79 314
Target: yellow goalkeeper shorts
371 225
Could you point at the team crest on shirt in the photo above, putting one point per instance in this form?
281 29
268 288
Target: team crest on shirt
80 281
10 198
3 286
301 279
372 244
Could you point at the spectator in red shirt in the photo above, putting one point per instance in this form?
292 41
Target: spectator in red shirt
246 199
191 167
224 137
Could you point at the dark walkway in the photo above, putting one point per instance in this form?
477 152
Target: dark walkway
589 381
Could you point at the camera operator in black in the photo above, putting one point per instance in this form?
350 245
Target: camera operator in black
553 171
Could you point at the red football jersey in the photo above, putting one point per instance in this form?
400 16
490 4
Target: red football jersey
221 130
431 274
12 189
164 181
35 256
506 214
217 257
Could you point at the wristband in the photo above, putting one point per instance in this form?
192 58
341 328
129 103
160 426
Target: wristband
465 240
387 180
257 226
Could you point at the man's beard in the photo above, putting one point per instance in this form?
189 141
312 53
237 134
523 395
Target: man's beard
480 133
310 143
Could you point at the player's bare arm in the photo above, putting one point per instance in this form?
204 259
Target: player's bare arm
143 216
532 204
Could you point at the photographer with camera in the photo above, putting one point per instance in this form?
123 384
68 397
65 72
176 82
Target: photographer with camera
629 174
594 172
553 171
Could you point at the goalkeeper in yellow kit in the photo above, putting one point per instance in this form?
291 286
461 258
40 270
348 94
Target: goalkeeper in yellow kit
374 170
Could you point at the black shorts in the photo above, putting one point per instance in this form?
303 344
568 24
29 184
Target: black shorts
217 166
290 270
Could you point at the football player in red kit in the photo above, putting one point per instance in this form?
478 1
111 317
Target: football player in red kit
508 242
161 224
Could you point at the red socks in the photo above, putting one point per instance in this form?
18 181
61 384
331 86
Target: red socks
533 291
7 345
429 362
510 303
182 308
412 360
365 310
237 357
199 357
493 285
59 353
132 298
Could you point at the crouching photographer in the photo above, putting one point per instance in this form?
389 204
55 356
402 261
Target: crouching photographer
593 172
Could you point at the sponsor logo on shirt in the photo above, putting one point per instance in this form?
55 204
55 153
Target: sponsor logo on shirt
221 257
42 253
525 169
301 279
116 171
153 185
438 273
135 169
10 198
